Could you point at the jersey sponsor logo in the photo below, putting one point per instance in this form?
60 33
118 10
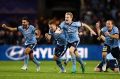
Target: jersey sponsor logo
15 53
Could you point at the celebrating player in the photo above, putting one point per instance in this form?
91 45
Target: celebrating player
30 34
71 30
59 38
110 35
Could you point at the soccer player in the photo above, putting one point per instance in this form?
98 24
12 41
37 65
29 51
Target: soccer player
71 30
59 37
30 33
111 63
110 35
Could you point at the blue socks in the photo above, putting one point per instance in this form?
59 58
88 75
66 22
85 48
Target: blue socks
79 60
73 64
26 59
58 62
81 63
104 60
35 61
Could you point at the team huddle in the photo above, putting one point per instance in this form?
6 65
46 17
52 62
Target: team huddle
66 36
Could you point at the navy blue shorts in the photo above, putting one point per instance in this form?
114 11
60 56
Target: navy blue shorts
106 48
114 51
32 46
60 50
74 44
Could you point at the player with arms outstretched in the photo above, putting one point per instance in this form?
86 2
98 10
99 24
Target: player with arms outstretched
71 30
30 33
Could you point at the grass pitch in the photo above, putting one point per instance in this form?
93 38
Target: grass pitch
49 70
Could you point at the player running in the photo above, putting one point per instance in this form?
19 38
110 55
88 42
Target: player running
29 32
71 30
59 37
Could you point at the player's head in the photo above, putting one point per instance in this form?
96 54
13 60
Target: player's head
52 25
25 21
68 17
109 24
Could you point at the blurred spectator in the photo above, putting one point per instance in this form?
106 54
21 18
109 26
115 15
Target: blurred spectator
93 11
2 37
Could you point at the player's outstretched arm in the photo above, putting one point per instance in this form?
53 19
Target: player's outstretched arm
101 37
88 27
9 28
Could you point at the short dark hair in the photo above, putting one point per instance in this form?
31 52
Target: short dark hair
25 18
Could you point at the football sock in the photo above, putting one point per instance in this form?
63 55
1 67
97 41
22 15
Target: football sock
58 62
104 60
35 61
26 59
81 63
73 63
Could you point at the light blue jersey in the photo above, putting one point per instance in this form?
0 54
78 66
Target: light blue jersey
59 38
29 34
110 41
71 31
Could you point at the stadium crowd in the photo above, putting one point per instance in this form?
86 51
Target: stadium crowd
90 13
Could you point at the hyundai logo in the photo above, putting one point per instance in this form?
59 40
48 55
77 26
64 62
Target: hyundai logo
15 53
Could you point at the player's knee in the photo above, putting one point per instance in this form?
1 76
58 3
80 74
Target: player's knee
104 54
97 69
27 50
72 49
55 57
116 70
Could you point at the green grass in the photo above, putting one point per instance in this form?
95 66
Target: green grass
49 70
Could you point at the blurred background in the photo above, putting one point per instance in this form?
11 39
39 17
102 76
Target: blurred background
41 11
